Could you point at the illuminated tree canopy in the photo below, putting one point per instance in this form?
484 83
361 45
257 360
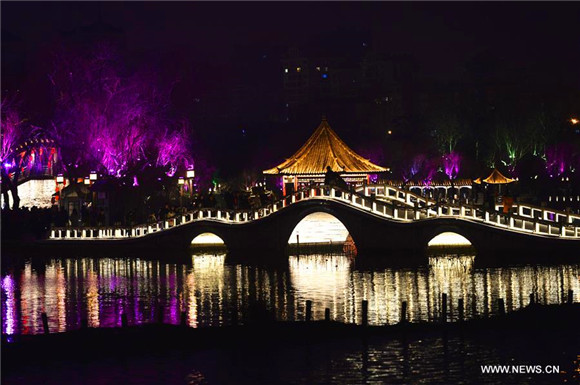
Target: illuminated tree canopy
113 120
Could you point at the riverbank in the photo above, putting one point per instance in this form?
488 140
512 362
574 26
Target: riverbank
93 343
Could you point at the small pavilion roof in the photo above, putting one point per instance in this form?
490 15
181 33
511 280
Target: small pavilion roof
497 177
324 148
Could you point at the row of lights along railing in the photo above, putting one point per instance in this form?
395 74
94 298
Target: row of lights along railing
247 216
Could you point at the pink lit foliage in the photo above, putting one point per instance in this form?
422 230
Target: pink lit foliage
414 167
559 158
173 150
12 132
430 170
23 151
112 120
451 163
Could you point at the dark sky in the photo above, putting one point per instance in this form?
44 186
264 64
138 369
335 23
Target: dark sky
219 44
442 36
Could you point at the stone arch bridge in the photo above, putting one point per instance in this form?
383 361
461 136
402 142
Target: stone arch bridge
382 221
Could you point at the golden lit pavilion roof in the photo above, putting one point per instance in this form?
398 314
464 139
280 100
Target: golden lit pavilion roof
324 148
497 177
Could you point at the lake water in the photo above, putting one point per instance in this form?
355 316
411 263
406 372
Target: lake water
213 292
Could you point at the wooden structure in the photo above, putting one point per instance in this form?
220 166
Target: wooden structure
324 149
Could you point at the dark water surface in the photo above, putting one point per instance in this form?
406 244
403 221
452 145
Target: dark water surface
213 292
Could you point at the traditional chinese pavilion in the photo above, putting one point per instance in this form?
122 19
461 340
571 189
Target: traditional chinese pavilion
324 148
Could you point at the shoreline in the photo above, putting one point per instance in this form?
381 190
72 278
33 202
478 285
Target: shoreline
95 343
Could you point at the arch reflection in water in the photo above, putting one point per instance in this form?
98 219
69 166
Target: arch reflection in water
205 282
212 293
326 281
315 279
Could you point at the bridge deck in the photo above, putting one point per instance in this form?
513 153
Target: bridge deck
393 204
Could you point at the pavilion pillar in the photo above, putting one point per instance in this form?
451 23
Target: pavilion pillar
295 183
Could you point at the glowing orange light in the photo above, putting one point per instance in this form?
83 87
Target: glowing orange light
574 121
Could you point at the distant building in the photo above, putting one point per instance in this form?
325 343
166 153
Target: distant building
323 149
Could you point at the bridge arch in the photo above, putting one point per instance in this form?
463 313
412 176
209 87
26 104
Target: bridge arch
207 238
204 238
336 227
449 236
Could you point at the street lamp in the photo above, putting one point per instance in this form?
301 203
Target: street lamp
93 176
574 121
87 181
59 178
190 174
180 182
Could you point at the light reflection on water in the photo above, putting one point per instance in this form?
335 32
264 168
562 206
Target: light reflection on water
213 293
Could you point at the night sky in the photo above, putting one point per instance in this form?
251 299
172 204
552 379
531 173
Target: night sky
216 47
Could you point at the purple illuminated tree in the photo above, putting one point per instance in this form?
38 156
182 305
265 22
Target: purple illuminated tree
451 164
12 133
559 158
113 120
413 168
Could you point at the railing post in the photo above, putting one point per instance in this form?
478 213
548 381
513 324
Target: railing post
45 323
501 306
374 206
443 307
365 313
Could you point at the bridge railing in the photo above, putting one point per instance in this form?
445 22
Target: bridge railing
398 209
510 221
520 210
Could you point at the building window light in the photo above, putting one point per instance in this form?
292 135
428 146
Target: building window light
286 70
317 68
325 76
298 69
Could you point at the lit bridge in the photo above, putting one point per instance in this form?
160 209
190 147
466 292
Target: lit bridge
379 218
